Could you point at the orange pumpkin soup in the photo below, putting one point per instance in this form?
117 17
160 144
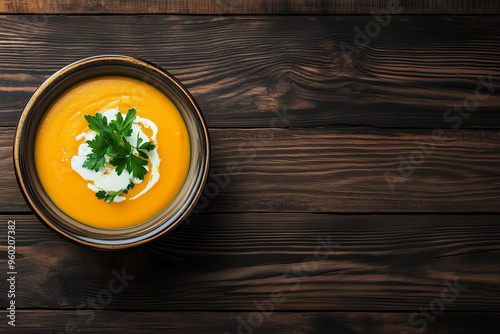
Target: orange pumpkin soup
64 130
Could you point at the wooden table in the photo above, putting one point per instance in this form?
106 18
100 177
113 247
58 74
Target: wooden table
355 180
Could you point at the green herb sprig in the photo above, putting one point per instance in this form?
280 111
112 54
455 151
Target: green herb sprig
110 196
111 140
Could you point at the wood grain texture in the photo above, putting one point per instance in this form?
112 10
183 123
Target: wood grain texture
231 7
8 181
241 70
227 322
319 262
334 170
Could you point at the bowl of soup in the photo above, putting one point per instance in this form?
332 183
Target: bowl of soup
111 152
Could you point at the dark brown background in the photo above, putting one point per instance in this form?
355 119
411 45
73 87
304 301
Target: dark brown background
322 176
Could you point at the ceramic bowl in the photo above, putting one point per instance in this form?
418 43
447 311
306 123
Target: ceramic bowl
49 213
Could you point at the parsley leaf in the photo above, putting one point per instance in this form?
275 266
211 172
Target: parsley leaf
110 196
123 127
97 123
96 160
125 159
132 163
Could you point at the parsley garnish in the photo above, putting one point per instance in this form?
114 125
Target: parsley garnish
111 140
110 196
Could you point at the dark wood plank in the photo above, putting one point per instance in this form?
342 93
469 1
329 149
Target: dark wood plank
222 7
335 170
242 69
11 198
55 322
228 261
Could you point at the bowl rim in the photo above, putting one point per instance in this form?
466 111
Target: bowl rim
45 88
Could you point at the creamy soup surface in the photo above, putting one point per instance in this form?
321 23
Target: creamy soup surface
62 135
